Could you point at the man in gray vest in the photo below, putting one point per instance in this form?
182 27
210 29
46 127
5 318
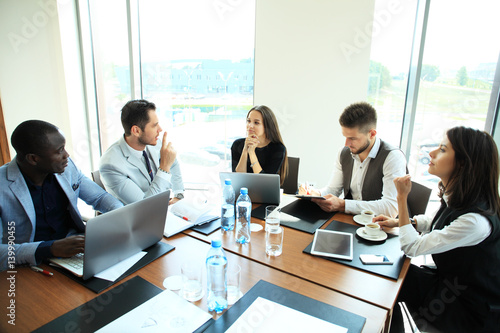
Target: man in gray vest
365 167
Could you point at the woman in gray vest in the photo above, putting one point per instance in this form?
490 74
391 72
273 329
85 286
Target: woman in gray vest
462 294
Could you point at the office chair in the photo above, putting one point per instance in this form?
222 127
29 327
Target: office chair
415 323
290 185
96 177
418 199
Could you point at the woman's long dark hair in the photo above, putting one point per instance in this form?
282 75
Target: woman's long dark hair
474 179
272 132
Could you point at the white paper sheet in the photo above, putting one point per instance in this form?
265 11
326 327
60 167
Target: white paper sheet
267 316
166 312
115 271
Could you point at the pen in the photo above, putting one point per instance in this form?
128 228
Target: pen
43 271
182 217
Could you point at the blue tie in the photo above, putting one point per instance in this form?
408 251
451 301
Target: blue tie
148 166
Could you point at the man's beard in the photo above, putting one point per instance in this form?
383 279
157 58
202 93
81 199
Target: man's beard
362 149
144 142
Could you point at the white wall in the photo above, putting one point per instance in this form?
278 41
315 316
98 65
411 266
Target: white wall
311 61
32 84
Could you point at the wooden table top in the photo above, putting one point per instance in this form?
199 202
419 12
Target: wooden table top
368 287
40 299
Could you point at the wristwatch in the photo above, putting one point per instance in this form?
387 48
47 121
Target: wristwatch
160 169
179 196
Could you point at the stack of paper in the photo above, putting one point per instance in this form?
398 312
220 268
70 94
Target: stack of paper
185 214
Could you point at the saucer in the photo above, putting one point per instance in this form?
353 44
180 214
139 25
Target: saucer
173 282
255 227
359 220
380 237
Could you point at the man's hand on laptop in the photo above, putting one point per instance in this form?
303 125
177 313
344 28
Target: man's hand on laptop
68 247
331 204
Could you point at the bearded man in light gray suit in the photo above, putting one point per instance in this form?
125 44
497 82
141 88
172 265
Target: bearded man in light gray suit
124 166
39 190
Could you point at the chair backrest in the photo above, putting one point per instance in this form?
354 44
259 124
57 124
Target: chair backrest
418 199
96 177
290 185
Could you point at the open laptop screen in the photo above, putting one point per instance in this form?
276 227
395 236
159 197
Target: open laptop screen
262 188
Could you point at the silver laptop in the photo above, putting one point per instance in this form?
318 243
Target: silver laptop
119 234
262 188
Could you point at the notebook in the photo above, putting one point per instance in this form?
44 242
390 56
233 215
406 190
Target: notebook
262 188
117 235
186 213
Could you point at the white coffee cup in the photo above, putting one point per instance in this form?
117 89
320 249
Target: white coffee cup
367 215
372 229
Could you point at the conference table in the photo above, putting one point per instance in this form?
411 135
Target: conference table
40 299
368 287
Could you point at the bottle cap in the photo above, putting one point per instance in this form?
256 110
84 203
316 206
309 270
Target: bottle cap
227 181
244 190
216 243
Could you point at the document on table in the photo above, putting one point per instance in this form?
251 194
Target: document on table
267 316
166 312
185 214
117 270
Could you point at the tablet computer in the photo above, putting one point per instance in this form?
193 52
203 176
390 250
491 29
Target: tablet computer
309 197
333 244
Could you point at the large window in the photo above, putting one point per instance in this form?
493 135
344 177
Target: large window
194 59
458 63
197 64
392 36
458 67
111 62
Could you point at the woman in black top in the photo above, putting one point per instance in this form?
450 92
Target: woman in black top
262 151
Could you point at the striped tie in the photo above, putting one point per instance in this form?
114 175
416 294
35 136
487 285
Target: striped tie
148 166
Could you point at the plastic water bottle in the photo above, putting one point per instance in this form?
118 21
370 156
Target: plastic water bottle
227 214
243 213
216 277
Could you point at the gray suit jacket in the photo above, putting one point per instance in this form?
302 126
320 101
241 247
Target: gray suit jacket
126 177
18 217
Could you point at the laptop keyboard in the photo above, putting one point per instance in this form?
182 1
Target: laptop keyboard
74 264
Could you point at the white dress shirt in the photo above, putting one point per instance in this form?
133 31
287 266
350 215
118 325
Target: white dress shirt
394 166
467 230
